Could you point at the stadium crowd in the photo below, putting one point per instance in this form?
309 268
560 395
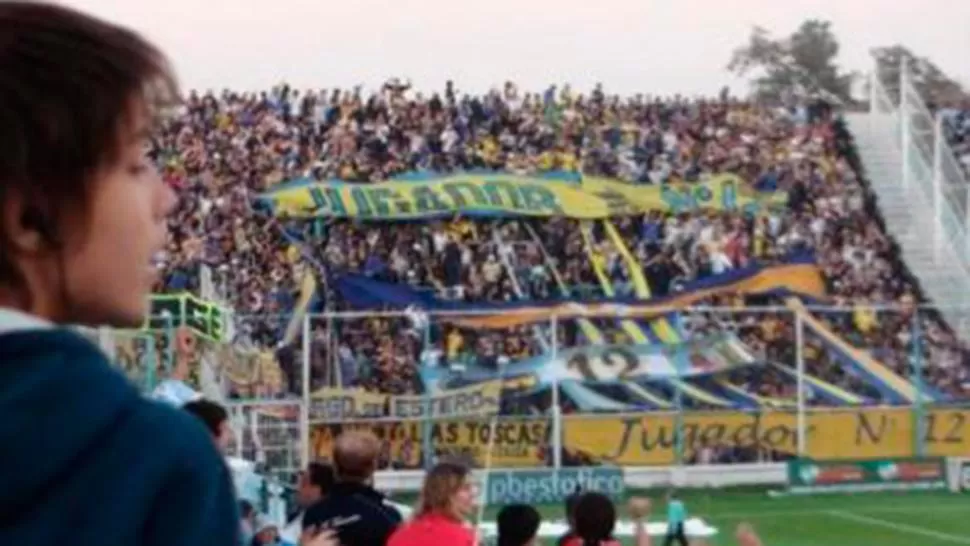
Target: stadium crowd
81 89
225 149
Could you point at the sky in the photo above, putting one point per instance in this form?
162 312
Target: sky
631 46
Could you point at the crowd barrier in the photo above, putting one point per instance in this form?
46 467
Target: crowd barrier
701 385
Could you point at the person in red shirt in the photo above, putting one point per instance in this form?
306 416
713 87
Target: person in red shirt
595 517
448 496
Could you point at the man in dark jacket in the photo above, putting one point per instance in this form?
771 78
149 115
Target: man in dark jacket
360 515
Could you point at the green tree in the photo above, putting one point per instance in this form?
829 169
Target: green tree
933 85
797 65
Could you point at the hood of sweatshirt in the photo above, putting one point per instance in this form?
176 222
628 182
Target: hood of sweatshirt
59 398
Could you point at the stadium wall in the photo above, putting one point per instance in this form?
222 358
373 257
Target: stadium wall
698 476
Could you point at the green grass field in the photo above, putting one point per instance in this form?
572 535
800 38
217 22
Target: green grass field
870 519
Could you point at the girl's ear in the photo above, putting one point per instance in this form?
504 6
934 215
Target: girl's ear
25 227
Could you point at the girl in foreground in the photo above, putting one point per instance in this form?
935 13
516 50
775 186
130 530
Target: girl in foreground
448 497
82 215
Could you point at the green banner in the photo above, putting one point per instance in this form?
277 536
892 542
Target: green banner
552 486
807 476
205 318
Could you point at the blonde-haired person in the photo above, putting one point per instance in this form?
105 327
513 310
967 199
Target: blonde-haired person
360 515
448 496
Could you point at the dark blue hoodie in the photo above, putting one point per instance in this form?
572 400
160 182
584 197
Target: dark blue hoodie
85 459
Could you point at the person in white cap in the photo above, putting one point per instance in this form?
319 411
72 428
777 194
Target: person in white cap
266 533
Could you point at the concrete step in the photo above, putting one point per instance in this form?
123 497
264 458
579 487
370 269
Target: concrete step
909 216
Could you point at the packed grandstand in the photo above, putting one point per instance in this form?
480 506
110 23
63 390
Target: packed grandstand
398 319
692 252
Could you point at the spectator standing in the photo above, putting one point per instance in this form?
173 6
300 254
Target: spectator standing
247 515
215 418
518 525
676 518
314 484
267 534
595 519
448 496
86 459
358 514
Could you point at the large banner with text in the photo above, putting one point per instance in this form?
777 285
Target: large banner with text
335 404
519 442
497 194
651 439
868 433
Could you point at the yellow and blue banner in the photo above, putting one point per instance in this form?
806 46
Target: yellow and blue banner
496 194
608 364
798 276
884 379
339 404
851 434
518 442
651 439
663 330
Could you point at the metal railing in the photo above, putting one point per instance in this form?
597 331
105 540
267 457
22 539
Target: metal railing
723 384
928 160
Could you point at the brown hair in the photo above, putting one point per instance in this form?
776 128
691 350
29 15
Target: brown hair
212 414
594 517
440 485
355 456
73 89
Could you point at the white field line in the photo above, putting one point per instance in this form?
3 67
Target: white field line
945 507
901 527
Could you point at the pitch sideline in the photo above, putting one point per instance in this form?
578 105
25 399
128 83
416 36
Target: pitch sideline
901 527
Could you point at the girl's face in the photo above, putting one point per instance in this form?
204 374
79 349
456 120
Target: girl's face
105 267
466 498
